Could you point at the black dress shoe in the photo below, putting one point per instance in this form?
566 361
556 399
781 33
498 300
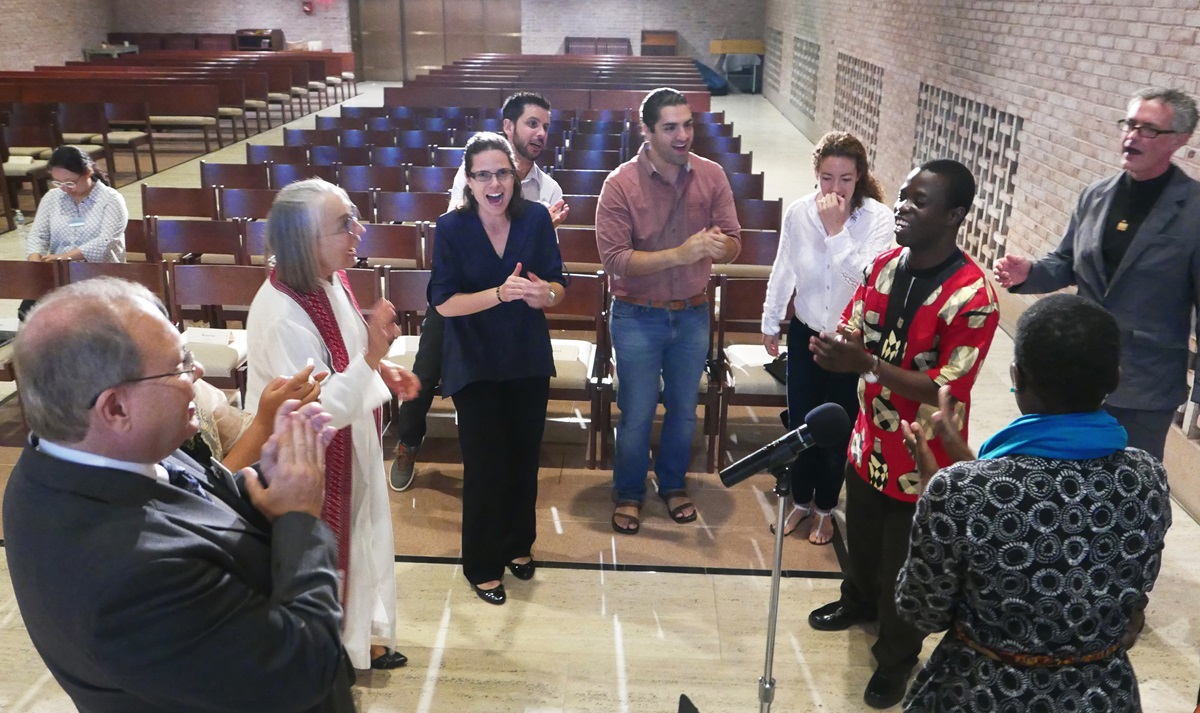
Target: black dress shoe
491 596
836 616
389 659
522 571
886 688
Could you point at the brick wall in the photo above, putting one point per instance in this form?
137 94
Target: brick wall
545 23
330 21
1062 70
30 34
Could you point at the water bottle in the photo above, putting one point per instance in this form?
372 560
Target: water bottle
19 219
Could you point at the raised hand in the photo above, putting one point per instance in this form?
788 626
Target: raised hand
293 463
558 212
1011 270
834 211
514 286
382 330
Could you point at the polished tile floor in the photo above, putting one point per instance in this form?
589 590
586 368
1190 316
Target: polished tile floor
633 641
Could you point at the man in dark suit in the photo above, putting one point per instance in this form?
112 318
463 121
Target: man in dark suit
147 583
1133 246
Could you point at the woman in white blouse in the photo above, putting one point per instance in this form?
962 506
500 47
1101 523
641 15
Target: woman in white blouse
828 238
81 217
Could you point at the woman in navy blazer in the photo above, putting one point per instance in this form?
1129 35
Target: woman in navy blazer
496 266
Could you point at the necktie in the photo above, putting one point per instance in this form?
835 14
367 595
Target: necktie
180 478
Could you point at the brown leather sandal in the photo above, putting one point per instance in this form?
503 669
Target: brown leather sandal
624 523
676 512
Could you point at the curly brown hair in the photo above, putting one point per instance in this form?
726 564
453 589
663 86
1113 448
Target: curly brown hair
846 145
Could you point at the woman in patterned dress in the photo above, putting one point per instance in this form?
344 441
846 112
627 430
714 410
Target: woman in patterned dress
1037 555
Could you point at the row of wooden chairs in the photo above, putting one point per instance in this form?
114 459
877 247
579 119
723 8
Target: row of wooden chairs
223 203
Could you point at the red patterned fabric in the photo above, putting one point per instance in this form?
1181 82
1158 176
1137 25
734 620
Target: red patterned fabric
340 453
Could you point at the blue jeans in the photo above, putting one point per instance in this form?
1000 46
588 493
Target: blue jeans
653 344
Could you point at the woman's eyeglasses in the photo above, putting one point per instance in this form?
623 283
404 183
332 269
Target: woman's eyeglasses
501 175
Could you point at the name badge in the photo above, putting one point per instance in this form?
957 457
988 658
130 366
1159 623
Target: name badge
76 223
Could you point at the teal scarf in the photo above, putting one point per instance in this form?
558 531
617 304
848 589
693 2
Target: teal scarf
1072 436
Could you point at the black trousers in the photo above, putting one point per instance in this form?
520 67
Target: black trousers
1147 429
500 425
410 422
816 473
877 533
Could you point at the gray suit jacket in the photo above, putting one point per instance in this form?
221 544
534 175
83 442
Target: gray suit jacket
1152 294
144 598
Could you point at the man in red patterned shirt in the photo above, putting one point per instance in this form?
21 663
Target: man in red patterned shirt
923 318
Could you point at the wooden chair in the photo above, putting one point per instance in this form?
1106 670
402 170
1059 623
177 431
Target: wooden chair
410 207
22 170
448 156
408 291
444 123
215 289
341 122
262 153
372 178
583 159
22 280
598 142
391 244
6 201
255 239
580 182
363 112
344 155
744 381
581 365
582 210
138 246
185 202
86 123
151 275
577 245
233 175
588 126
190 241
401 156
281 174
430 179
365 137
746 185
708 145
366 283
311 137
703 128
759 214
132 129
734 162
389 123
247 203
418 138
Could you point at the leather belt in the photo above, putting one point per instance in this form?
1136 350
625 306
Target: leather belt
672 305
1021 660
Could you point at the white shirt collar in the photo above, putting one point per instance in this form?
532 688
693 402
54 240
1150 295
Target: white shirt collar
57 450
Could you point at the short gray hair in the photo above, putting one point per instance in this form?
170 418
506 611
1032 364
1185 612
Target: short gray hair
293 228
75 344
1183 107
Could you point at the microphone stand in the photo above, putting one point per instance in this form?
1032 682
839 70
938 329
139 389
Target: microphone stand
766 684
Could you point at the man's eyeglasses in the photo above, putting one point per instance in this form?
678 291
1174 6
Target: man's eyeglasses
188 368
1146 132
501 175
65 185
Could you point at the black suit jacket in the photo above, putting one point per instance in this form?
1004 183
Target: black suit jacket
144 598
1153 293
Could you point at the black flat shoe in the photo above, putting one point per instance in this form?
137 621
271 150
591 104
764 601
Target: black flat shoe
522 571
491 596
389 659
886 688
835 616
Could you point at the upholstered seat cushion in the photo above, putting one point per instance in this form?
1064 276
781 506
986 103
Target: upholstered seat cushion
255 104
746 372
230 111
572 363
28 150
316 85
184 120
278 97
92 151
12 169
81 138
403 351
125 137
221 351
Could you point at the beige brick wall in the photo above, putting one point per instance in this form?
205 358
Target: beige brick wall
330 21
31 34
546 23
1065 68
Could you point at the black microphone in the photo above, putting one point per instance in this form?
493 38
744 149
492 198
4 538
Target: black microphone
827 426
